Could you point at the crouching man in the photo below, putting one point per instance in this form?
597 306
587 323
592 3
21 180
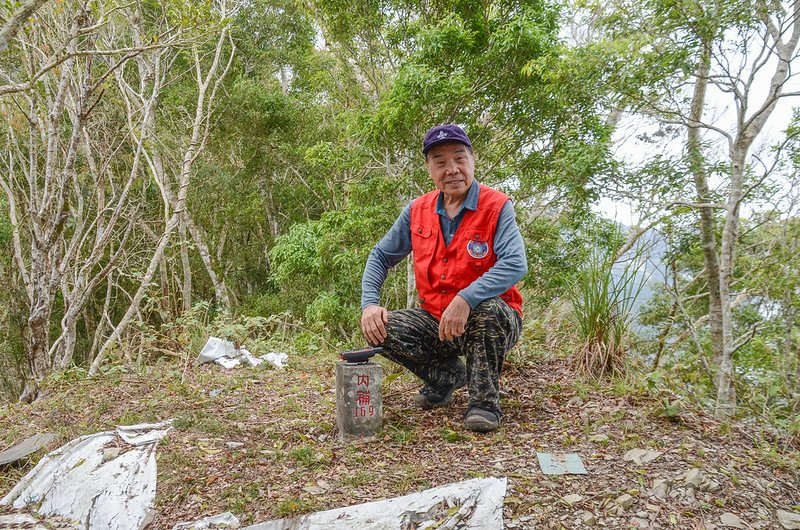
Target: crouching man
468 256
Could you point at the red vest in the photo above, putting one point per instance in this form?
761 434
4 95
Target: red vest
442 271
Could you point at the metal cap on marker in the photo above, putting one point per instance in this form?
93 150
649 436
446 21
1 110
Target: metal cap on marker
360 356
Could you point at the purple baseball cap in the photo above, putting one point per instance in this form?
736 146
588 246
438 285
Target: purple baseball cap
440 134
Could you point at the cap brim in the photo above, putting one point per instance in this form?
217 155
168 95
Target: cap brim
445 141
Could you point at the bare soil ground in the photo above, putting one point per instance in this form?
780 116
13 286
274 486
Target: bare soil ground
292 463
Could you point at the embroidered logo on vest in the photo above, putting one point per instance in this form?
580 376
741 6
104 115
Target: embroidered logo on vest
477 249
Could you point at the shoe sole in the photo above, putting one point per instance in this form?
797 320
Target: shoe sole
480 424
423 403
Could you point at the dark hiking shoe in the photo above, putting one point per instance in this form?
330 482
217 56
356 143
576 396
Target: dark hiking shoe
428 398
480 420
431 398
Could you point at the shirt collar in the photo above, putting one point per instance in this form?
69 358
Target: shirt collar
470 203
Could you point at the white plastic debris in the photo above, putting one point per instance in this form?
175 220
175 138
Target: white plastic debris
277 359
224 520
215 349
226 354
144 433
80 482
476 504
249 358
27 522
25 448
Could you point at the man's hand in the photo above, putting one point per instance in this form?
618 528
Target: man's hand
373 324
454 319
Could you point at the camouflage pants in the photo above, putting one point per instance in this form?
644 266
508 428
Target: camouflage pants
492 329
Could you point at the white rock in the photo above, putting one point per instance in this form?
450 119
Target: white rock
625 500
234 445
730 520
693 478
572 498
641 456
660 488
588 518
598 438
789 520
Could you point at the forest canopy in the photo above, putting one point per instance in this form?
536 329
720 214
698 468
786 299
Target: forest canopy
176 169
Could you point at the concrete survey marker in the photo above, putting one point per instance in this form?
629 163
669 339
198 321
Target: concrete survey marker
25 447
561 464
476 503
359 402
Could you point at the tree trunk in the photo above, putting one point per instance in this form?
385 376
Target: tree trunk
220 290
165 293
186 289
796 407
726 392
38 345
707 221
411 283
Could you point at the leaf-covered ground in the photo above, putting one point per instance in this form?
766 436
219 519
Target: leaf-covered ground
290 461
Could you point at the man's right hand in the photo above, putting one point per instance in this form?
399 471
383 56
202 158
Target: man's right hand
373 324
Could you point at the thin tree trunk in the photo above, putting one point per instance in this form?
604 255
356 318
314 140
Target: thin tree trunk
101 322
165 293
38 344
411 283
726 392
187 270
662 336
220 290
796 407
707 221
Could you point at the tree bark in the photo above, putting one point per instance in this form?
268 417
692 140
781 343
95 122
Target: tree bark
708 225
13 24
220 290
186 289
411 283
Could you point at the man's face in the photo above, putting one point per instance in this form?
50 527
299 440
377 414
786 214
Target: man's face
452 168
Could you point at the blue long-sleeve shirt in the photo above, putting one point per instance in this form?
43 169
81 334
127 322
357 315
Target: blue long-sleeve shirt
510 267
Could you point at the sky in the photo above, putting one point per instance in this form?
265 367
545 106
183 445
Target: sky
720 112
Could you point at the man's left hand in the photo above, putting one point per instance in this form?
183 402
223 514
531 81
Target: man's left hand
454 319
